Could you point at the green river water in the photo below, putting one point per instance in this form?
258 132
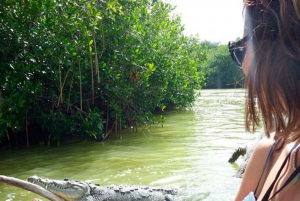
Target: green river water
191 152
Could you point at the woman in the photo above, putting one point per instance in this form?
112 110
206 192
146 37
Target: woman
270 57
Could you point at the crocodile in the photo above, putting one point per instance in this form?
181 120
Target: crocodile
71 190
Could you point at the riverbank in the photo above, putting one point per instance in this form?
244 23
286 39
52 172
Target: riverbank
191 151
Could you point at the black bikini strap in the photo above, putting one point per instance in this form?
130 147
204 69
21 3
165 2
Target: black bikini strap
267 195
266 163
297 171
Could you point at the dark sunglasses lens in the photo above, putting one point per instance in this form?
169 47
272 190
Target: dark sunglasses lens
237 53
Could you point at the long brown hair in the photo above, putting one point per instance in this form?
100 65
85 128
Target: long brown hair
273 80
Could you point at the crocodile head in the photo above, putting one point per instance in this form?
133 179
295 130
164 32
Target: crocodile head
68 190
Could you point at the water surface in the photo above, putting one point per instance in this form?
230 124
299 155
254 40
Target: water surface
191 151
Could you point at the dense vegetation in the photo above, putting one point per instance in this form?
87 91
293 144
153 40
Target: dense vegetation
83 69
219 69
73 68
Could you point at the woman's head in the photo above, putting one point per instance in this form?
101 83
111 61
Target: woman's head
272 65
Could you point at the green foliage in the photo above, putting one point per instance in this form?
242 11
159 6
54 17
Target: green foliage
71 66
92 125
219 70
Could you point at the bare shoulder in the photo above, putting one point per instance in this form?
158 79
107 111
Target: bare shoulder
264 145
254 167
258 158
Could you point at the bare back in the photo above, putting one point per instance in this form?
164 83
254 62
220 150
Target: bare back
253 171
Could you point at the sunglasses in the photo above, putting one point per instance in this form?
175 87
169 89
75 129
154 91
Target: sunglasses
237 50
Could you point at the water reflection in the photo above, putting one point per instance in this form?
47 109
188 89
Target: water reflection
191 151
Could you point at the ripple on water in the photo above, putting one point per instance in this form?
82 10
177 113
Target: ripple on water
191 151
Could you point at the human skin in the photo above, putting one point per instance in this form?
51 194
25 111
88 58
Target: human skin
255 166
257 160
247 58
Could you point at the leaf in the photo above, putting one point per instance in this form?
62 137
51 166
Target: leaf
22 102
151 65
89 5
91 42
